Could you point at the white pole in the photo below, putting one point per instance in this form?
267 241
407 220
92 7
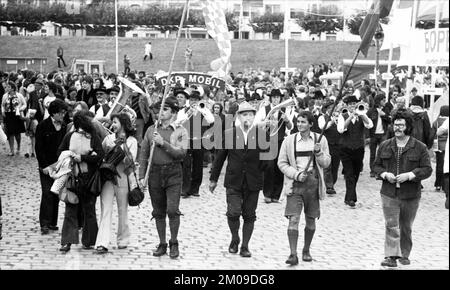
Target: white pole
433 72
241 14
413 26
117 38
286 39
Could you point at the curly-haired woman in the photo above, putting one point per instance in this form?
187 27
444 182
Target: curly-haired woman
123 134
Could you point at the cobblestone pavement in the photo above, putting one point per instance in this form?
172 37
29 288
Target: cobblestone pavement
345 238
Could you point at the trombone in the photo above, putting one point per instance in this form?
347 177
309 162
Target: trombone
270 116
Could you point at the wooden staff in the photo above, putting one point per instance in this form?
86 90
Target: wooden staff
166 92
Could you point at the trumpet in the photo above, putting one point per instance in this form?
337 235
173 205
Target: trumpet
270 116
200 107
361 108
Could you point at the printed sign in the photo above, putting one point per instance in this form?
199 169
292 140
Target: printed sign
193 78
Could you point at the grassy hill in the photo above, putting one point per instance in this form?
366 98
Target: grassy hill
265 54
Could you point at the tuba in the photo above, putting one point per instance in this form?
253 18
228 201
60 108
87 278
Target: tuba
270 116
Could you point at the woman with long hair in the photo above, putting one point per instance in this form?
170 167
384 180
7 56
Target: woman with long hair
123 134
13 106
87 151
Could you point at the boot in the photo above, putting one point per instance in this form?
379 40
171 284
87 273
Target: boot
161 250
174 253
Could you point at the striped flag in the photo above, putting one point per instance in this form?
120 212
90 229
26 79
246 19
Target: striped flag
379 9
216 25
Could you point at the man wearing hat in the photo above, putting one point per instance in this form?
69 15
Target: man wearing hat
165 179
182 96
329 122
102 107
273 178
243 177
351 127
200 119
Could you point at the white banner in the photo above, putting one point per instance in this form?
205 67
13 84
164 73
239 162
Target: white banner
427 48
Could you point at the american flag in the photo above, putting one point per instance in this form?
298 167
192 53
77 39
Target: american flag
217 27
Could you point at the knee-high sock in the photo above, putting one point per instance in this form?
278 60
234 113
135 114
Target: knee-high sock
309 234
174 224
293 238
161 228
247 230
234 225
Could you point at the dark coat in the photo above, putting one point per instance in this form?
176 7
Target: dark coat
243 163
414 159
47 142
373 115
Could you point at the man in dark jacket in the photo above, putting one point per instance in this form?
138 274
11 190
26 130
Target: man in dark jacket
421 123
49 135
380 119
243 177
401 162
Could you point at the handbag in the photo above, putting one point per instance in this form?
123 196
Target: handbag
68 196
135 196
95 184
78 184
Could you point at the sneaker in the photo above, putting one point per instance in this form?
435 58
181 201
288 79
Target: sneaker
404 261
292 260
174 252
389 262
160 250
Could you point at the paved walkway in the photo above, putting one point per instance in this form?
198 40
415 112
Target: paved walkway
345 238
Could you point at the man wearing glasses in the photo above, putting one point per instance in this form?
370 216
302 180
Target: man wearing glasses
401 162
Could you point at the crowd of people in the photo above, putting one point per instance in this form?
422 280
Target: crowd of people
75 120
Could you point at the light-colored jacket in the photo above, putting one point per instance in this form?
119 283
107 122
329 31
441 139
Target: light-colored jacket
288 164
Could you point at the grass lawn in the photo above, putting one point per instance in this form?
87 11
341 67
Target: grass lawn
265 54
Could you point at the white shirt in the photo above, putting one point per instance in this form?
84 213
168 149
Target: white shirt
46 103
441 130
99 113
379 129
148 48
341 124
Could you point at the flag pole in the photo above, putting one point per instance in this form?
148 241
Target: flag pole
117 37
286 40
338 99
166 91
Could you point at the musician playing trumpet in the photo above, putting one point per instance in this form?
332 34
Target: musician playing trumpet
198 119
351 126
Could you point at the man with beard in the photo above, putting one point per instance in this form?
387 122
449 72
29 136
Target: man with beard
243 177
401 162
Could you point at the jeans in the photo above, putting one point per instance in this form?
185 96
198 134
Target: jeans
399 216
331 172
48 212
60 58
104 230
439 169
165 190
375 141
69 233
352 162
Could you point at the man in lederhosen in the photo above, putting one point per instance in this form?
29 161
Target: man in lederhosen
243 177
165 177
303 186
